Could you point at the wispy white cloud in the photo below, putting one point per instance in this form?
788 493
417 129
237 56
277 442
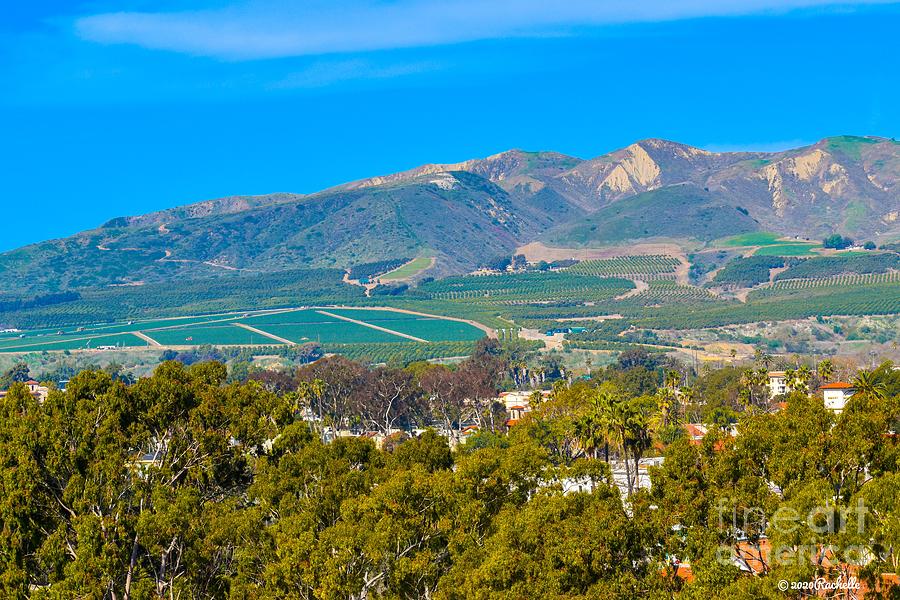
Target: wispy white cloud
325 73
256 29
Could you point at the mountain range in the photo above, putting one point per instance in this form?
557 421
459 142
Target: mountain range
463 213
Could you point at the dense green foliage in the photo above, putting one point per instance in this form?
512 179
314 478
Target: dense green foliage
183 485
828 266
837 242
748 272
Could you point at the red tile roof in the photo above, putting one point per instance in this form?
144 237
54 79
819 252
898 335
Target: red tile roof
837 385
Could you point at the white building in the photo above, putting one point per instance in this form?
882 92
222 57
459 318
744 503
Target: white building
777 384
836 395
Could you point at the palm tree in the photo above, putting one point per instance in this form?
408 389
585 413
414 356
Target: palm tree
639 440
869 386
790 379
593 429
825 370
672 379
619 419
802 376
748 381
688 396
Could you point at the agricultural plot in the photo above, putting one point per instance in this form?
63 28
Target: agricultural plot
839 281
527 287
409 270
630 267
373 315
788 250
427 328
226 334
816 268
667 292
297 326
334 332
72 342
292 317
401 352
756 238
435 329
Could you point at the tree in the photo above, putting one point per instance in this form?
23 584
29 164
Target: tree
446 394
389 400
869 386
837 242
17 374
342 379
825 370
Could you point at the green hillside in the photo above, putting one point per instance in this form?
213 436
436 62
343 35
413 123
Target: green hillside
684 212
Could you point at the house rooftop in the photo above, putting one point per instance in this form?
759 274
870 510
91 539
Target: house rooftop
837 385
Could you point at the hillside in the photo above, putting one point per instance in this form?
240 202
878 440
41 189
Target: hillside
463 213
677 212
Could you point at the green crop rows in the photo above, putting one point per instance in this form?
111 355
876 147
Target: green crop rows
640 267
526 287
403 352
848 280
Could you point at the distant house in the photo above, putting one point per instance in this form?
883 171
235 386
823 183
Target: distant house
467 432
518 403
777 384
37 390
695 433
836 395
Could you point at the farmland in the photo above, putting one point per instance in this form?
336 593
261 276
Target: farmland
408 270
756 238
787 250
641 290
643 267
375 333
527 287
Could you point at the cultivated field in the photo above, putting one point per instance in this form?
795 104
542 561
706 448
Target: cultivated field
331 327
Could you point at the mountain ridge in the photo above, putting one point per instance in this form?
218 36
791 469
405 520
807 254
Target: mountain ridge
463 213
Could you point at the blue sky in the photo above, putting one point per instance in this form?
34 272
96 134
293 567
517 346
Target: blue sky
114 108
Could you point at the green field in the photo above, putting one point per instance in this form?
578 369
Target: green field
756 238
410 269
298 326
334 332
73 342
217 335
770 244
801 249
